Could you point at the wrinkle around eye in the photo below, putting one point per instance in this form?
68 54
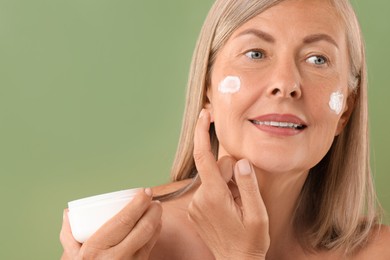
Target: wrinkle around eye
323 74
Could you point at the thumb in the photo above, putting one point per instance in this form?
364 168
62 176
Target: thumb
253 206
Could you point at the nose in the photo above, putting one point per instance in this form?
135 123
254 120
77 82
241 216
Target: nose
285 81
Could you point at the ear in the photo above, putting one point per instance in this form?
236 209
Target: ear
349 107
208 106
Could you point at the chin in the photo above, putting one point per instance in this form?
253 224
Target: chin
281 162
277 168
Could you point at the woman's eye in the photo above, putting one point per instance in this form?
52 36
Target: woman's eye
317 60
256 55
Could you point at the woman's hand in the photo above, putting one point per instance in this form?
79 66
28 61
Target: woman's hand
131 234
232 220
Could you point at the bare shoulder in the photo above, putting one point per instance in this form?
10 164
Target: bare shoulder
379 244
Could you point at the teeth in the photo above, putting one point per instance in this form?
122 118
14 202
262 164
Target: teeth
278 124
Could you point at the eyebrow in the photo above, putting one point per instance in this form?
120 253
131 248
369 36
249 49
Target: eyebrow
258 33
307 40
320 37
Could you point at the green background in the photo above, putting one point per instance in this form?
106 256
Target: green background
91 98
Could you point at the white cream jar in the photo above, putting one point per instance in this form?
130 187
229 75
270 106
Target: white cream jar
87 215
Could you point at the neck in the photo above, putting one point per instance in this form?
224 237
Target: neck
280 192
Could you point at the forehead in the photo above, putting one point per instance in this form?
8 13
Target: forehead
293 18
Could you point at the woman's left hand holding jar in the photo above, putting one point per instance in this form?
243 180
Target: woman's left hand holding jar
130 234
232 220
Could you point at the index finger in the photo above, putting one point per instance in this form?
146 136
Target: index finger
205 162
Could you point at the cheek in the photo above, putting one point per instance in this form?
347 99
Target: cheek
229 85
227 106
327 96
226 96
325 109
325 114
336 102
236 91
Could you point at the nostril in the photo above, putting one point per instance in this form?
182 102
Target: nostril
275 91
293 94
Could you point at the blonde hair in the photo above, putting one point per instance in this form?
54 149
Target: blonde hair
337 205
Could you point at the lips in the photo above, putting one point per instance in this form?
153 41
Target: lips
279 123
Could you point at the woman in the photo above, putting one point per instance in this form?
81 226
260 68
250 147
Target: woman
276 166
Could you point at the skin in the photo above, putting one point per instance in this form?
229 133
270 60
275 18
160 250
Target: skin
284 81
243 207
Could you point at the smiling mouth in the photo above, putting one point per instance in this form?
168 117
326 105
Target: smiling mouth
288 125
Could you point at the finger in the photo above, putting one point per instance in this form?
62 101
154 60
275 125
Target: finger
226 166
70 245
146 250
144 230
204 159
235 193
253 207
119 226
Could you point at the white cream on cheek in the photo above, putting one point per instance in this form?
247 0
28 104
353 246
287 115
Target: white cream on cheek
336 102
230 85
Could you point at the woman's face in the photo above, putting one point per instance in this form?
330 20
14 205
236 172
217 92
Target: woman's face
279 86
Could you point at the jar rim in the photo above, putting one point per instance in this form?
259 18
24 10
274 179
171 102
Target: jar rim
129 193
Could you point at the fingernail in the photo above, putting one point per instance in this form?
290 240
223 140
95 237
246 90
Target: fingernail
244 167
149 192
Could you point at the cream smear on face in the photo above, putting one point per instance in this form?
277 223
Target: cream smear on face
336 102
230 85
